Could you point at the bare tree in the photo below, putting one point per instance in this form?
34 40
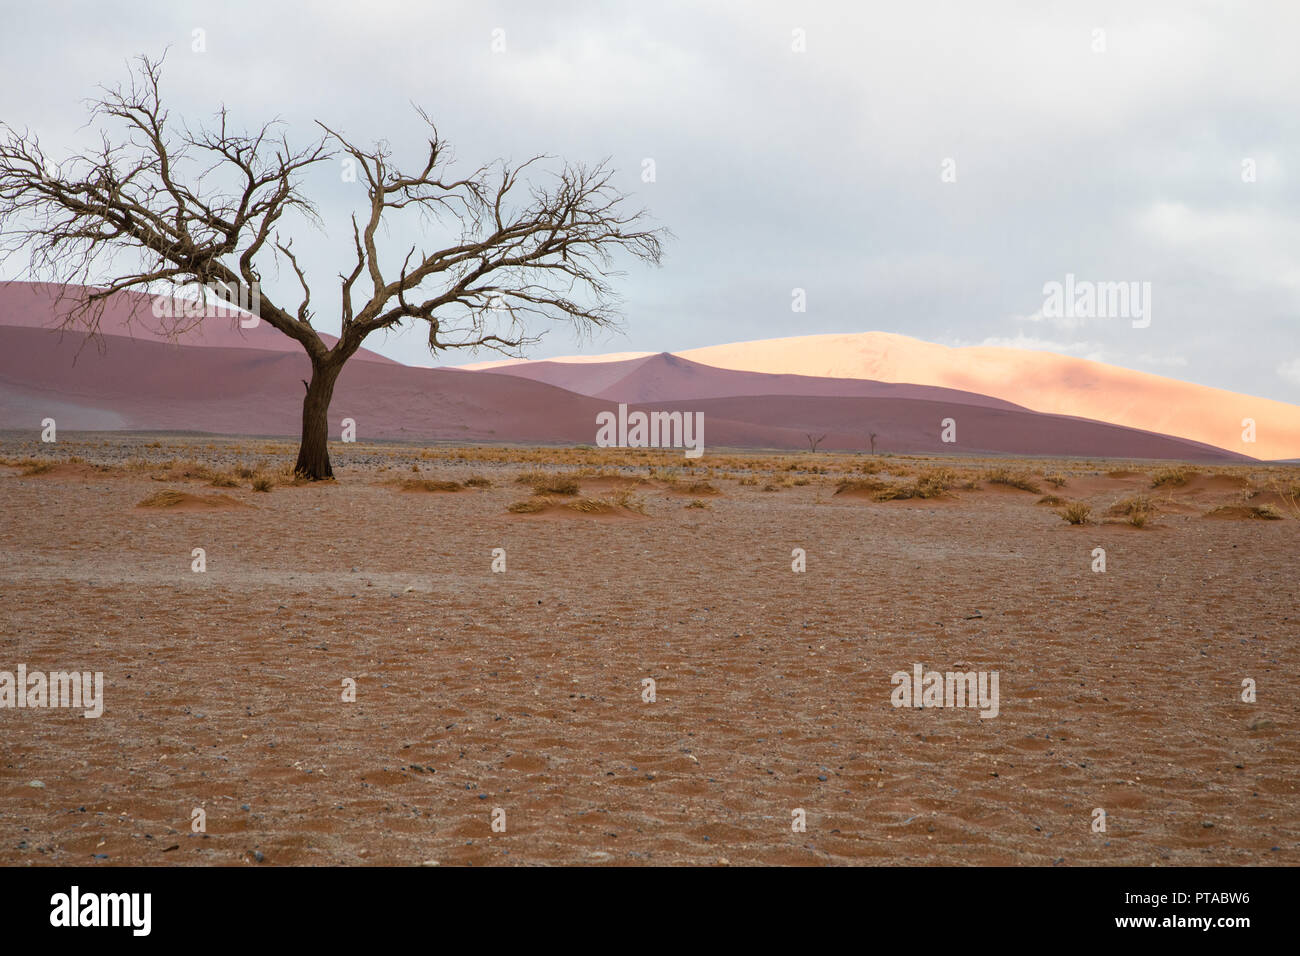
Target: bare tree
205 206
873 437
813 442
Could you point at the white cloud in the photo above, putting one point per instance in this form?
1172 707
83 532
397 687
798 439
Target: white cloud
1162 361
1087 350
1091 351
1063 322
1251 247
1290 371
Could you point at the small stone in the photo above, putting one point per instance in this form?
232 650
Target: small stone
36 784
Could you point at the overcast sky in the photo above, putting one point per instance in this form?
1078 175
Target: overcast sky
1111 141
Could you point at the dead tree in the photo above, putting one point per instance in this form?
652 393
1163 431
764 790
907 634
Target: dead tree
207 206
813 442
873 437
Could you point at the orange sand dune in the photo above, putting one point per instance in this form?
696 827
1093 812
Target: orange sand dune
1042 381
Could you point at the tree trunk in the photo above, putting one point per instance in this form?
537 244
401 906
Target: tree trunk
313 452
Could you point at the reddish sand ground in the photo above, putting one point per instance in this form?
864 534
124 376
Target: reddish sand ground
522 690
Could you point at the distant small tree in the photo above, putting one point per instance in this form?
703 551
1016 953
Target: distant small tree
205 207
813 442
873 443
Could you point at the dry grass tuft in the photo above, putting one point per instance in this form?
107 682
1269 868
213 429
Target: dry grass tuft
593 506
167 498
528 506
430 484
1260 512
1013 479
608 504
1289 494
934 484
1137 510
701 488
1174 476
34 466
1076 512
857 484
929 484
894 493
557 486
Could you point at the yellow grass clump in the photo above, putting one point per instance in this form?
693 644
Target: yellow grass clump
1137 510
1076 512
1016 479
1173 476
167 498
430 484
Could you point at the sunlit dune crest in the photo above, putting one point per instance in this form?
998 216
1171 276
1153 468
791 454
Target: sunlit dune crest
1043 381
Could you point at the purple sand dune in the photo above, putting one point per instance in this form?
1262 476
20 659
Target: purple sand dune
131 315
667 377
911 426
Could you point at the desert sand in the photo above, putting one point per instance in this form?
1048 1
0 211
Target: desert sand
522 690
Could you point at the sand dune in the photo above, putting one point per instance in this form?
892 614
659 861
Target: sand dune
144 385
147 385
911 426
668 377
1041 381
131 315
226 380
